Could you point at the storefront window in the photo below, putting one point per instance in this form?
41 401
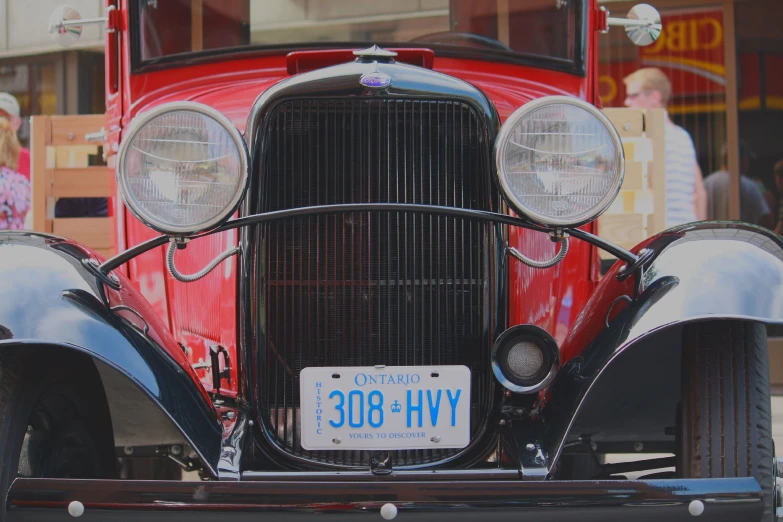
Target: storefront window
690 52
760 93
34 85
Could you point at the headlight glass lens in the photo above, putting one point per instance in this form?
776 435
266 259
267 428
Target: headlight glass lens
182 171
559 163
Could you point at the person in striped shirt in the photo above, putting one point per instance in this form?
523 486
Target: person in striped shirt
686 198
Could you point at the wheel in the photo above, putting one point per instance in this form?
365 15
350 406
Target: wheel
725 428
54 419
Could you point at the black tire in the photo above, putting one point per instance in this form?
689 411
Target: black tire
54 419
579 466
725 429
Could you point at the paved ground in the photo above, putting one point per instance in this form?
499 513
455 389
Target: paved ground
777 423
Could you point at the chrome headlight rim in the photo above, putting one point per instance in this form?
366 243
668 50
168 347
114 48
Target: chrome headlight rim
139 122
502 141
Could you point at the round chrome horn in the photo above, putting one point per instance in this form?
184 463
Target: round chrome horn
525 359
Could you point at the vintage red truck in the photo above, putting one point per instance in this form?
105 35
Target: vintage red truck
357 276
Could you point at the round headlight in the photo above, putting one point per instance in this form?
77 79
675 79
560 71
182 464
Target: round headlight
182 169
560 161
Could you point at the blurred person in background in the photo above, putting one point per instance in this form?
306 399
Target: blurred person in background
9 109
14 187
753 206
686 199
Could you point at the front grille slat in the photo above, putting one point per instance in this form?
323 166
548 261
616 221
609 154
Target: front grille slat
367 288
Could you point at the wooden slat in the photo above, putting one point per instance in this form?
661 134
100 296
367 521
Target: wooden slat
70 130
89 182
621 228
634 176
655 121
775 349
93 232
39 133
628 122
197 25
503 23
629 148
72 156
732 108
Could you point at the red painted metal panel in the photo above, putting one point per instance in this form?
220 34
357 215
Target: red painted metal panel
204 313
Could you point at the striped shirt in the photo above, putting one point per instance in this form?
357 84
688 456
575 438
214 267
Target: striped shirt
680 164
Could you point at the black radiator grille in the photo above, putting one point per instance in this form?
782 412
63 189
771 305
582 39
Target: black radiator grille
359 289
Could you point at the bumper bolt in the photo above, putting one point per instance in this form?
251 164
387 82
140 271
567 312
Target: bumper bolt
128 450
435 439
638 446
76 509
176 450
696 508
337 440
388 511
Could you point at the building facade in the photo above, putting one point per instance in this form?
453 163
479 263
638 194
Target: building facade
44 77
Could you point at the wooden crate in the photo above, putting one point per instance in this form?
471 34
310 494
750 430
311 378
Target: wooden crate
60 168
640 208
776 365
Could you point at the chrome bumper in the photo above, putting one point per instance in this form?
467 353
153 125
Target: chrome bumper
455 500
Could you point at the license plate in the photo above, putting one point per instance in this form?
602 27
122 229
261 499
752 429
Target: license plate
392 407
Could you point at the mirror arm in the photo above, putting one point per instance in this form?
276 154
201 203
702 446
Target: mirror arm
86 21
625 22
643 24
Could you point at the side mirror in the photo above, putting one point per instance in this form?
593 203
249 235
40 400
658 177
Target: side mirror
65 24
643 25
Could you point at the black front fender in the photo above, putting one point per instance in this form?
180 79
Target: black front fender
50 298
700 272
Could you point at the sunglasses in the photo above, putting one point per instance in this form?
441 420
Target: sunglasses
632 95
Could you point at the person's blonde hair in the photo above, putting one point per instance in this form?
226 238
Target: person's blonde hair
652 79
9 145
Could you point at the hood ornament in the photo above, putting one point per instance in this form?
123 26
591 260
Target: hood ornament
375 52
375 79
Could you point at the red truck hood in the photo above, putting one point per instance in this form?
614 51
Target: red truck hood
233 93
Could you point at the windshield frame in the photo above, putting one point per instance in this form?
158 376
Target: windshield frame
577 66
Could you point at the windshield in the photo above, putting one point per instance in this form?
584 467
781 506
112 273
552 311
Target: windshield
548 32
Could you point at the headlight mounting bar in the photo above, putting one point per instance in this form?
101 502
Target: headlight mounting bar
480 215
